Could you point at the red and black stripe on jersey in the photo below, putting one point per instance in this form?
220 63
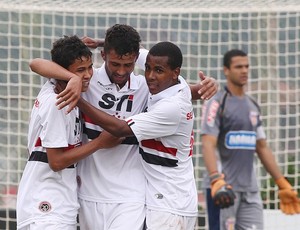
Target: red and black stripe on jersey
157 146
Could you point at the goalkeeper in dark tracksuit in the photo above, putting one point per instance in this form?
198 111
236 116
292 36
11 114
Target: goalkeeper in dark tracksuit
232 126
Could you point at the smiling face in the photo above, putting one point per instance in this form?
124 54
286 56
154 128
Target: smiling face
119 67
158 73
83 68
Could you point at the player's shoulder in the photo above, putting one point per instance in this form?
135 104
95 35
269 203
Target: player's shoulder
218 97
47 93
253 101
45 102
138 81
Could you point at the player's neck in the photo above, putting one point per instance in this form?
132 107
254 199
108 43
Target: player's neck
238 91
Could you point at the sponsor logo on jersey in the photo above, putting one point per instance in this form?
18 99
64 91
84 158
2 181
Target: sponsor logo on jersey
240 140
45 206
212 112
109 100
159 196
190 115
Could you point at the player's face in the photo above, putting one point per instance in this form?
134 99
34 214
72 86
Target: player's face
119 68
83 68
237 74
159 75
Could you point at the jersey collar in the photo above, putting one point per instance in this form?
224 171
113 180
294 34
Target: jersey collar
103 78
171 91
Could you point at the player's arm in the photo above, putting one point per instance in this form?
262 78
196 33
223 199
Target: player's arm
95 43
205 89
50 69
209 144
115 126
221 192
267 158
59 159
289 201
92 42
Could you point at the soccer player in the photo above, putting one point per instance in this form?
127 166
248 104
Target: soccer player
112 183
47 194
232 126
165 135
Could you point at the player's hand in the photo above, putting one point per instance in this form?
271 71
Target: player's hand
92 43
71 94
107 140
289 201
221 192
59 86
208 86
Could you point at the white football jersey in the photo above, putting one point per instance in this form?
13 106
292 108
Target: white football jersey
166 142
113 175
43 194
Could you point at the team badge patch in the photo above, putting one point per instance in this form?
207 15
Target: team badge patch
253 118
45 206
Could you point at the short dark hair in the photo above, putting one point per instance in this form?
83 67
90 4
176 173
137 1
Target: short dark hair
123 39
67 49
230 54
168 49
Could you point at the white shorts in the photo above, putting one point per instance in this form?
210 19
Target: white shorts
95 216
156 220
49 225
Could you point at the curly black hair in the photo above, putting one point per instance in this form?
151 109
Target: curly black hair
68 49
124 39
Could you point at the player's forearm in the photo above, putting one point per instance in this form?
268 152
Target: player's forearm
209 155
140 62
268 160
116 127
60 159
50 69
195 91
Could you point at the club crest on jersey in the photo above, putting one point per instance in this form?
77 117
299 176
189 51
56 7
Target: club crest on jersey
45 206
36 103
253 118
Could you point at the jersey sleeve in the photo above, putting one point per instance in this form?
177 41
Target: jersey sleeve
186 88
260 132
210 120
54 133
140 62
159 122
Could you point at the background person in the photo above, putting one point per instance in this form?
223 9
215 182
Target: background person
232 125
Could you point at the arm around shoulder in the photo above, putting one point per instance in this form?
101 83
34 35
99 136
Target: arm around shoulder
50 69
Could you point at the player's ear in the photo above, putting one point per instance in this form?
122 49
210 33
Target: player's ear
176 73
137 56
103 55
225 70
